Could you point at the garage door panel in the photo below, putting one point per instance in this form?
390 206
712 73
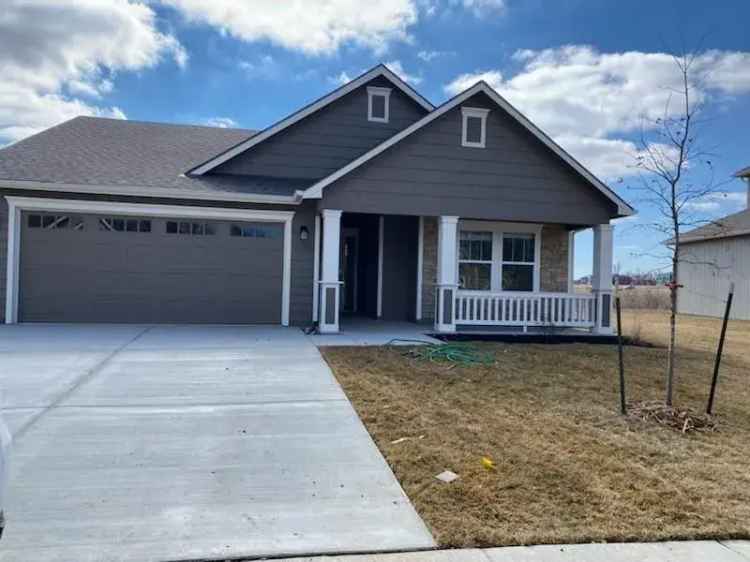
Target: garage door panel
95 275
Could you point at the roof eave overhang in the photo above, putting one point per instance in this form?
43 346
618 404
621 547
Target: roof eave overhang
153 192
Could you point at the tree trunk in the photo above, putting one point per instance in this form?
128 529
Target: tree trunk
672 338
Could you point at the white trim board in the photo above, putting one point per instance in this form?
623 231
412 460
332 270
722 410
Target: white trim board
17 205
316 190
380 70
143 191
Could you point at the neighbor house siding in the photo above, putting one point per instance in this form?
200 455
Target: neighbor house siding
515 178
706 271
328 139
3 254
300 306
553 261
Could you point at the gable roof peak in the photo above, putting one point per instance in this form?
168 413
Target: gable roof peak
378 70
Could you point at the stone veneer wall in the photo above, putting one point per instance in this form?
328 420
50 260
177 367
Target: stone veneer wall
429 267
553 266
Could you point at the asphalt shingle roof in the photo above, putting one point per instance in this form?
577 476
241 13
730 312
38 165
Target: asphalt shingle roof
112 152
737 224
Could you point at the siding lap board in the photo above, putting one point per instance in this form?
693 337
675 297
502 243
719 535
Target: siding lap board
515 178
328 139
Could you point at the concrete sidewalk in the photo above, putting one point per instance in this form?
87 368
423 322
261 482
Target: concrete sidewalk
686 551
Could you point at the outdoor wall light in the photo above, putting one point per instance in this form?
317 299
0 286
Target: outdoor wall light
303 233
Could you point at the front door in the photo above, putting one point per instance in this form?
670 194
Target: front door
348 267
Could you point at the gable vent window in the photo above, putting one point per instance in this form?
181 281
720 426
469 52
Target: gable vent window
378 102
474 127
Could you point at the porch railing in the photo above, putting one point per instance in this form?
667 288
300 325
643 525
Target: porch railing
481 308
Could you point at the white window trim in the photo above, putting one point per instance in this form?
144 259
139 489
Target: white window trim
477 112
373 91
17 205
498 229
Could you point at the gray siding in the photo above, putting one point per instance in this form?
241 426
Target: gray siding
515 177
300 306
707 269
302 250
326 140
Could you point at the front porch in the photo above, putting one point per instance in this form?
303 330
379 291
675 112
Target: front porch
458 276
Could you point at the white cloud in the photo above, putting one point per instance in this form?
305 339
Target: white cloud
482 8
221 122
398 69
340 79
264 67
429 56
315 28
726 201
590 101
54 54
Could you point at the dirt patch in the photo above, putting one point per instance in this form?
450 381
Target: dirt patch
566 467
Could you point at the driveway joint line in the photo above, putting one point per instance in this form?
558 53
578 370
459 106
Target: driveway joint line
77 383
177 405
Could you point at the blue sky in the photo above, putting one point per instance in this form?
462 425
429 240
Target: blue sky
584 70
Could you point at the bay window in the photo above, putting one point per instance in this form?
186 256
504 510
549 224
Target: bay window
498 257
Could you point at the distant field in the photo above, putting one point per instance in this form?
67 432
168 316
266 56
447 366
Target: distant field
654 297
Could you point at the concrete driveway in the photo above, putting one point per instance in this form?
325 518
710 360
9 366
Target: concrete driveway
188 442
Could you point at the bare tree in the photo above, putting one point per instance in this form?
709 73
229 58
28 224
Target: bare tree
675 172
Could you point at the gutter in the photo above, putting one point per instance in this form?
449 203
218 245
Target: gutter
162 192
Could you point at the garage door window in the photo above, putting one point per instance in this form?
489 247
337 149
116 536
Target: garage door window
115 224
191 228
248 231
55 222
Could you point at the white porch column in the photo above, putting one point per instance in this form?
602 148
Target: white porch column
601 282
328 306
447 273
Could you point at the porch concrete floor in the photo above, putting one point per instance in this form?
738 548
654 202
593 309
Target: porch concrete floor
360 331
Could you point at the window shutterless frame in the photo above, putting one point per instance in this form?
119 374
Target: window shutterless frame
375 97
469 116
498 230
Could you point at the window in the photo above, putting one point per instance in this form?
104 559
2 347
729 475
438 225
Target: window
55 222
475 261
254 231
117 224
378 101
191 228
518 262
474 127
492 257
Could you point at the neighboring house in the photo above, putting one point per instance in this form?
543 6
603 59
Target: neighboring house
368 201
712 257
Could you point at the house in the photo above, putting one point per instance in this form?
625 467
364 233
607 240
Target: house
711 258
369 201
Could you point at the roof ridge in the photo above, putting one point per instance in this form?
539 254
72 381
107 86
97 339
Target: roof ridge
160 123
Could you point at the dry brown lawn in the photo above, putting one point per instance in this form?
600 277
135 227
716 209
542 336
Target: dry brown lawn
568 467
